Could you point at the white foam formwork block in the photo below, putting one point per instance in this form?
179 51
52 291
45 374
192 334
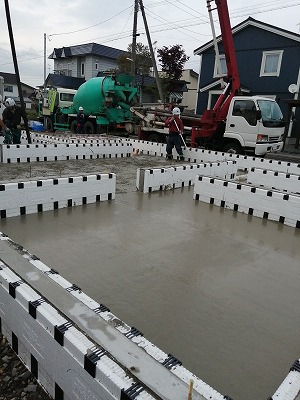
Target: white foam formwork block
64 151
59 349
153 179
190 154
264 203
64 358
148 148
28 197
290 387
247 162
273 179
37 137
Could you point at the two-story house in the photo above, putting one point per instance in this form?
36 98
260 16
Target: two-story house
10 89
85 60
268 60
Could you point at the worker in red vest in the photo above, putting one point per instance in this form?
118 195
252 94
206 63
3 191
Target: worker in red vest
175 126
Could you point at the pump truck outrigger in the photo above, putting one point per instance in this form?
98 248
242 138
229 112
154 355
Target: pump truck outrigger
238 124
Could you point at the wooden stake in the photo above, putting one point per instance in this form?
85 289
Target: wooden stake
190 390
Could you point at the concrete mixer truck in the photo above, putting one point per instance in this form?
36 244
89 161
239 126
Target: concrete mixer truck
106 103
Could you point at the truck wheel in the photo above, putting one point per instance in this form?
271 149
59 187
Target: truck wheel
155 137
101 129
49 125
73 126
89 128
233 148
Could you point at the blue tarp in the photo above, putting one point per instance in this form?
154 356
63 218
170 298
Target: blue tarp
36 126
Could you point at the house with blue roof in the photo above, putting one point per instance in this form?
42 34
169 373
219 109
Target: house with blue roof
268 60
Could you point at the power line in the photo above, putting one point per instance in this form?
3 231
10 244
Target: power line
92 26
163 27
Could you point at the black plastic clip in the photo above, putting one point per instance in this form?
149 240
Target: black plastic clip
171 361
133 333
295 366
90 361
32 306
132 392
60 330
100 309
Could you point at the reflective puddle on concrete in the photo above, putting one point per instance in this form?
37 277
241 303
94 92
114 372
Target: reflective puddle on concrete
218 290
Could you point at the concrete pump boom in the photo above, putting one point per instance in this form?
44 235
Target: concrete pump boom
211 118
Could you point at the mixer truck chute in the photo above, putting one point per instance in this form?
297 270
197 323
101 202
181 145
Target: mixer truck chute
106 102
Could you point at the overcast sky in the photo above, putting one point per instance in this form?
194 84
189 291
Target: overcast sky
72 22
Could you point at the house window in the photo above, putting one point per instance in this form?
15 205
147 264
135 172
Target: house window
223 67
82 69
271 63
8 88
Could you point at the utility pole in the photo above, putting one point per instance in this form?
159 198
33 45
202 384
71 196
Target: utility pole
14 56
45 51
45 67
134 35
161 96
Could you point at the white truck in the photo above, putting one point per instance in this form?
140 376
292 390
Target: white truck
254 125
237 123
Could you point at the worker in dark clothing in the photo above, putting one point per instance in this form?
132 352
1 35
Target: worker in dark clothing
175 126
12 116
4 131
80 120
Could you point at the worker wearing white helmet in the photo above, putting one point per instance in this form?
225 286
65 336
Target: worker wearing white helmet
80 120
12 117
175 126
9 102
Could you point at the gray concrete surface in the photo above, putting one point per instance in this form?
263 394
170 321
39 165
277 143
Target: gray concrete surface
217 289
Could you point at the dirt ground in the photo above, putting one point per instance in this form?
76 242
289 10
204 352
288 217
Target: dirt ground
124 168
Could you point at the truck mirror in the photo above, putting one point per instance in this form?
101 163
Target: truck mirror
258 115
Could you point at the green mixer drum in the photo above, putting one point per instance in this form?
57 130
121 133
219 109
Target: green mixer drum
91 94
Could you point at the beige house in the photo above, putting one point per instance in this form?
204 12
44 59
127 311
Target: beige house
190 97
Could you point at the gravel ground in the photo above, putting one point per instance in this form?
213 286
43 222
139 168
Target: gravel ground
16 382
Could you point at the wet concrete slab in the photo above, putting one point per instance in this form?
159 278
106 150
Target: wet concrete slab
217 289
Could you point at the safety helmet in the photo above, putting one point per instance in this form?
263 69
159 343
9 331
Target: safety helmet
176 111
80 108
9 102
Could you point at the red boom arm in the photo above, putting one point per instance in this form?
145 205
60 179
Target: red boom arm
211 118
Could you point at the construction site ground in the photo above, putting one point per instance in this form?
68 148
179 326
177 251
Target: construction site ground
217 289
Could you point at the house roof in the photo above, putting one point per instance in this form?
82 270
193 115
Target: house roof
11 79
218 85
86 49
68 82
251 22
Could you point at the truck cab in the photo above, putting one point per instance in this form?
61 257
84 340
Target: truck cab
254 125
55 100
